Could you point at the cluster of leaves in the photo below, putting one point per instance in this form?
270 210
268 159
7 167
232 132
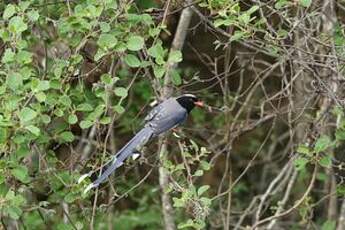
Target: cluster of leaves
188 196
322 151
317 154
46 100
49 103
243 20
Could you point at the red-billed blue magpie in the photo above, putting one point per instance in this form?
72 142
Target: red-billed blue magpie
165 116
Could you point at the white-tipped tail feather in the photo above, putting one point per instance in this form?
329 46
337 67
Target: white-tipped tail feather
135 156
83 177
130 149
88 188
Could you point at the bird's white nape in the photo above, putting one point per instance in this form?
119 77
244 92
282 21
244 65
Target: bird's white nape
187 95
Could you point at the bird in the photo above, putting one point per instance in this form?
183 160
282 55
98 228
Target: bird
165 116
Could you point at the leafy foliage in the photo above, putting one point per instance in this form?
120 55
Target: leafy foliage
75 77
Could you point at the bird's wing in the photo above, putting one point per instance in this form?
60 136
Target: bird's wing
153 112
169 116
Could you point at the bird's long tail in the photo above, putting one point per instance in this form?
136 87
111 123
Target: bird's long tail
132 147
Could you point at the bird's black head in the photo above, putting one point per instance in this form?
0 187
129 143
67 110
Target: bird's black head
189 101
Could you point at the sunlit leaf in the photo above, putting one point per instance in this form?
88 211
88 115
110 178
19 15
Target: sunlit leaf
26 114
121 92
135 43
132 61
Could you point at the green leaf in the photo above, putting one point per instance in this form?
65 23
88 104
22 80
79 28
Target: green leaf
85 107
70 197
199 173
33 129
244 18
105 120
14 81
40 96
17 25
65 100
105 27
9 11
67 136
305 3
203 189
43 85
303 149
135 43
100 53
178 202
238 35
45 119
23 5
106 79
26 114
22 152
33 15
5 35
97 112
58 112
205 165
24 57
253 9
55 84
326 161
341 189
72 119
13 212
85 124
119 109
176 78
2 89
121 92
322 144
175 56
322 177
107 41
158 71
192 224
132 61
156 51
21 173
280 4
8 56
340 134
300 163
110 4
3 135
329 225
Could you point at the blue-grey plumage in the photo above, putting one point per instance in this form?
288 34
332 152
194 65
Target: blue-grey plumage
139 140
169 114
